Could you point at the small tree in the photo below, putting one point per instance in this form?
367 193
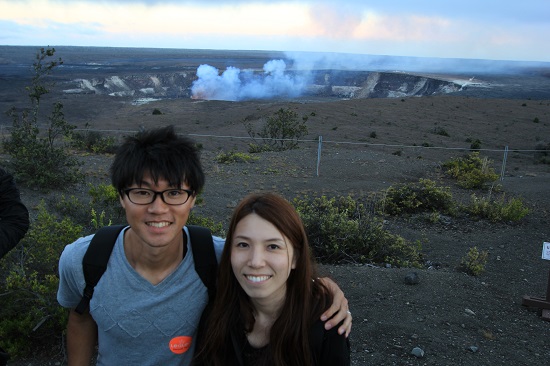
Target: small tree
473 263
471 171
279 132
38 159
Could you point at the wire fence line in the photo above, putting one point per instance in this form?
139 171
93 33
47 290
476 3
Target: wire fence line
320 141
4 130
497 154
321 148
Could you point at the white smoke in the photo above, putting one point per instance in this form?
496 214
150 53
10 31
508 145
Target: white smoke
235 84
278 81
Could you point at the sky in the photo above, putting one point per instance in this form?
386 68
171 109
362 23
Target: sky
473 29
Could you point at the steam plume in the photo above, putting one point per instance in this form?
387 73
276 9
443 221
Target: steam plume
235 84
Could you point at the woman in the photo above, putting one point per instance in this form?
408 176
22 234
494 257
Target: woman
267 312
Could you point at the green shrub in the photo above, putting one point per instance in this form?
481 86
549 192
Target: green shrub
70 207
103 194
215 227
234 157
471 171
100 220
542 153
156 112
105 203
29 312
254 148
440 131
94 141
497 210
422 196
281 131
473 263
40 160
103 208
475 145
341 230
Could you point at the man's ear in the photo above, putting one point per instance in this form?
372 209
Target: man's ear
193 199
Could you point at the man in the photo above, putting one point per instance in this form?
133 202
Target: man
150 297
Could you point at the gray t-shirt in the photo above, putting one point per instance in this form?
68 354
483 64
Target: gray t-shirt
138 323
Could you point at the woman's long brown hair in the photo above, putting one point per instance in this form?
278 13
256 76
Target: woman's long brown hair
305 299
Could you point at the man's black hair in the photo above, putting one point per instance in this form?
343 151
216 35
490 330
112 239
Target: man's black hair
161 153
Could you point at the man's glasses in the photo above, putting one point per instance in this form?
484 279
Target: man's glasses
144 196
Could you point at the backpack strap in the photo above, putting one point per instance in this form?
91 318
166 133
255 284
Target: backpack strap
206 266
95 261
204 255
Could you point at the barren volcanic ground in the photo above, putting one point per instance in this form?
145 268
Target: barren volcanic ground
369 145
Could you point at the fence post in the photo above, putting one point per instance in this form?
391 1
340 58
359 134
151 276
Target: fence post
319 153
504 163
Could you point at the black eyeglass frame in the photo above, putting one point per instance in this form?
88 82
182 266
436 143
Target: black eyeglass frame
159 193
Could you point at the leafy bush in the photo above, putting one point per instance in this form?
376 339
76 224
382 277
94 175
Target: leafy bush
497 210
258 148
473 263
440 131
94 141
105 203
542 153
70 207
215 227
475 145
234 157
281 131
102 209
422 196
41 160
30 284
471 171
341 230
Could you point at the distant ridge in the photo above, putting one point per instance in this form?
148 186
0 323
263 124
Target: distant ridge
240 58
171 73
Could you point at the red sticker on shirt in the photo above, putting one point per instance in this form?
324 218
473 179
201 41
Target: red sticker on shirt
180 345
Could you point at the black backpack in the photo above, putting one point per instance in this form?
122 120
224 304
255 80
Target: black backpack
95 260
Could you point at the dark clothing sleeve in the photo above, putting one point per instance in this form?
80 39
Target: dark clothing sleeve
329 348
14 217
